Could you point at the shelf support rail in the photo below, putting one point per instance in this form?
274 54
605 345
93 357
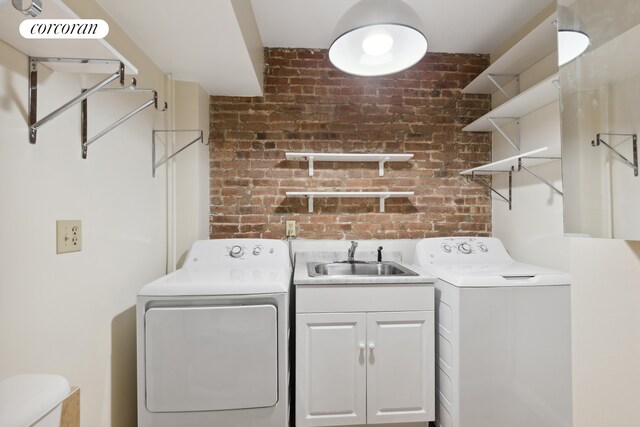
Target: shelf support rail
382 200
311 166
381 173
155 165
633 165
492 79
521 166
131 89
34 123
494 123
476 178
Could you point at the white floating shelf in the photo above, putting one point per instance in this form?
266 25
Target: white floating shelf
383 195
537 44
536 97
380 158
505 165
10 20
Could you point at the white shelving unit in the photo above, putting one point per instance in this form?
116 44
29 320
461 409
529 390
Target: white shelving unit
381 159
532 48
10 20
543 93
511 165
537 44
382 195
505 165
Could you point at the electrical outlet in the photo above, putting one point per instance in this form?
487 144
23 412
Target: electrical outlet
290 229
68 236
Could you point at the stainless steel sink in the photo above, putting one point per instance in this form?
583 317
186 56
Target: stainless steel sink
358 268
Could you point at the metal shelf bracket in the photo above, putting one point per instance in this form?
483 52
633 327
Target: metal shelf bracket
381 173
311 169
521 167
634 140
34 123
492 79
498 127
200 138
131 89
481 181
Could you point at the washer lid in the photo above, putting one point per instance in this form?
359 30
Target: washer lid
480 262
497 275
210 280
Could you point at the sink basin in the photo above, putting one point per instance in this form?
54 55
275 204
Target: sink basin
358 268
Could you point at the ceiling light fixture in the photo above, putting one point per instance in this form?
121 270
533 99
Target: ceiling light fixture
376 38
572 42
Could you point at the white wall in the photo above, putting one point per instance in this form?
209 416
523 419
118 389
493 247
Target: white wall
73 314
190 168
605 289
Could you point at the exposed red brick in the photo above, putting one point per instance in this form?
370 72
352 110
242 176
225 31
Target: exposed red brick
310 106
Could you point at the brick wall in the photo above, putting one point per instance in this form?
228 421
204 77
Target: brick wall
310 106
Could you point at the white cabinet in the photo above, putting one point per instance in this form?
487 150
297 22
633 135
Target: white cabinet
331 369
364 367
400 367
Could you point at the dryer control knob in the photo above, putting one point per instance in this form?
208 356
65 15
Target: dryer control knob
236 251
446 248
465 248
257 250
483 248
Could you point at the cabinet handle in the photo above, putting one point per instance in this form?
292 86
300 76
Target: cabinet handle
371 346
362 346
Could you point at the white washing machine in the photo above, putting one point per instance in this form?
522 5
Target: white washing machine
503 336
213 338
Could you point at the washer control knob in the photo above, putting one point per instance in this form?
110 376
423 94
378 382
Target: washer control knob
236 251
446 248
257 250
465 248
483 248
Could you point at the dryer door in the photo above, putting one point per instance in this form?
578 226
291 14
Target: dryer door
211 358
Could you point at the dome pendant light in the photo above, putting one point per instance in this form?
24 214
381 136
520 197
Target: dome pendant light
572 42
376 38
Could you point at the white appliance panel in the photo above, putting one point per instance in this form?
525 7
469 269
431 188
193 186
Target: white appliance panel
503 345
515 357
211 358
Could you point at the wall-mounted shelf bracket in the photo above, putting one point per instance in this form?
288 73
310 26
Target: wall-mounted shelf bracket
634 139
521 167
131 89
515 142
154 165
34 123
477 178
493 78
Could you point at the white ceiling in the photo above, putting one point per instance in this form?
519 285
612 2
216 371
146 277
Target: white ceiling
209 41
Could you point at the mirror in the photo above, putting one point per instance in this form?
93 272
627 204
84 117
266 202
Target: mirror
600 109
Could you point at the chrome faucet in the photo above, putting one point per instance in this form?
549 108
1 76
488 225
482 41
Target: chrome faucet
352 251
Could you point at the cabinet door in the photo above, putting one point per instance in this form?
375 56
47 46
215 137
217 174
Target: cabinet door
330 369
400 372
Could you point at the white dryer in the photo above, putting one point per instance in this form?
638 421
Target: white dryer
503 336
213 338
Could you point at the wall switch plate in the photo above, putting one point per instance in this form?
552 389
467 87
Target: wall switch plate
290 229
68 236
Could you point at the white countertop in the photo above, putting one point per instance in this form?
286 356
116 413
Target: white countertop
301 276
